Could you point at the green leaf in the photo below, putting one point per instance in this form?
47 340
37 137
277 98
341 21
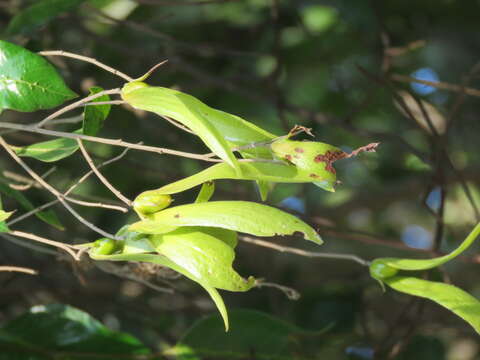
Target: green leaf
456 300
4 216
48 151
184 108
260 171
206 192
39 14
242 216
47 216
380 268
164 261
206 252
62 328
28 82
252 332
94 116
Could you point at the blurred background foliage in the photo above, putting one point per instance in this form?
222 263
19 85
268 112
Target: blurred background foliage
333 66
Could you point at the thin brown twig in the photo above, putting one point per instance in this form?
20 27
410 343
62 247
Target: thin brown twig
66 247
19 269
86 59
102 178
114 142
54 191
310 254
82 179
75 105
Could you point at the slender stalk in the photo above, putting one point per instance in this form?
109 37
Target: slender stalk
114 142
19 269
102 178
86 59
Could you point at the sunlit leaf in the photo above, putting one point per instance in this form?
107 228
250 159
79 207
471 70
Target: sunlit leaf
28 82
48 151
185 109
205 252
456 300
60 328
164 261
242 216
260 171
389 266
39 14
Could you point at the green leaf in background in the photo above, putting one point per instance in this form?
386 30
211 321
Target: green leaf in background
48 151
164 261
61 329
206 192
252 332
38 14
456 300
28 82
243 216
4 216
94 116
47 216
385 267
260 171
184 108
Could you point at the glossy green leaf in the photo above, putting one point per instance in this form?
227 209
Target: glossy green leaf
164 261
94 116
206 252
252 332
242 216
49 329
39 14
260 171
456 300
48 151
47 216
28 82
184 108
386 267
206 192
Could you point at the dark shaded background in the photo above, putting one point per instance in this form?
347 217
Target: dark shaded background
328 65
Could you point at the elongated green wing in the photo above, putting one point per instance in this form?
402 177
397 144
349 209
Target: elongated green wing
456 300
243 216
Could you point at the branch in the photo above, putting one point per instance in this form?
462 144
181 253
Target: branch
19 269
55 192
86 59
77 104
437 84
102 178
82 179
118 142
310 254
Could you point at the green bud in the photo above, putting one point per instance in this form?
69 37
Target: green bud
105 246
379 270
150 202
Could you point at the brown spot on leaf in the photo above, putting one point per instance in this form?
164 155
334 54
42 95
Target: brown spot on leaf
288 157
312 175
329 158
176 216
299 150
